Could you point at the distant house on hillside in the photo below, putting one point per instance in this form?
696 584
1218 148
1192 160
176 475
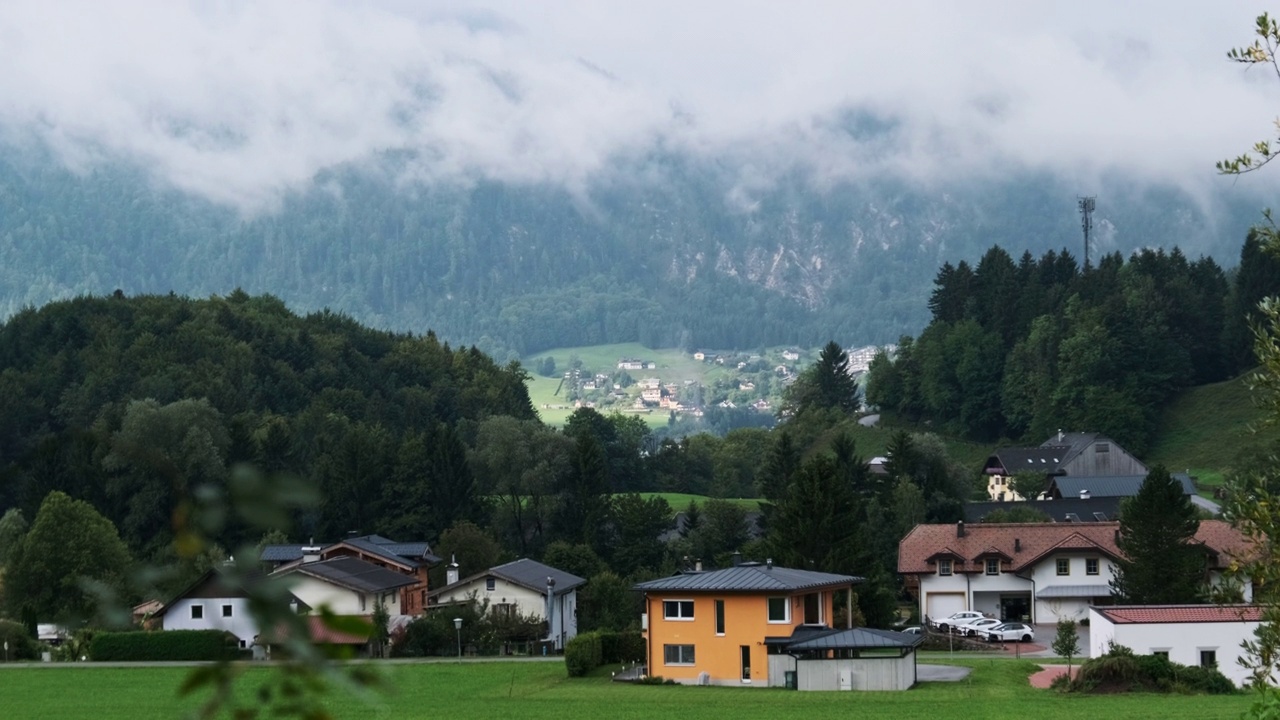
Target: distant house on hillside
1064 454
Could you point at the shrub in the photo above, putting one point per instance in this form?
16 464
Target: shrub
165 645
621 647
21 645
583 654
1120 671
1204 680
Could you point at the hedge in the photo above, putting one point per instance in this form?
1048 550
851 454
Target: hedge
166 645
583 654
21 645
621 647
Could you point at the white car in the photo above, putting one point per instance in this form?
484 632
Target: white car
915 630
946 623
974 628
1011 632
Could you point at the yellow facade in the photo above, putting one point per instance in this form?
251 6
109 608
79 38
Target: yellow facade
746 624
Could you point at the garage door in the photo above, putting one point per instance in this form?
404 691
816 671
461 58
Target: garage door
940 605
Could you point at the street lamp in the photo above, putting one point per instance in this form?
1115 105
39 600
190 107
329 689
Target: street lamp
457 627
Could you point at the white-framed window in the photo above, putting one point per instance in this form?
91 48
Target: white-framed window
1209 658
1091 566
779 609
226 611
677 609
677 655
1160 652
944 566
993 566
1064 566
719 617
197 612
490 584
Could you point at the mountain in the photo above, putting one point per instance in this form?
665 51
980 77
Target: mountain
664 251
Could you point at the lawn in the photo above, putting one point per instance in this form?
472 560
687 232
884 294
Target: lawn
1207 430
532 691
680 501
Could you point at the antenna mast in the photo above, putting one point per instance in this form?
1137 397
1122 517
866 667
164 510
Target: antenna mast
1086 222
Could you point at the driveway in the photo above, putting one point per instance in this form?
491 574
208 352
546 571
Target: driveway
941 673
1045 635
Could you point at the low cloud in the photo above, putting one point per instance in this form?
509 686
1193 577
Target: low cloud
241 102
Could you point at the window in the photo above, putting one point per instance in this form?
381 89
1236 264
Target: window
490 584
993 566
1102 447
1091 566
677 654
719 617
779 610
677 609
197 612
1064 566
1208 658
1161 653
944 566
226 611
813 609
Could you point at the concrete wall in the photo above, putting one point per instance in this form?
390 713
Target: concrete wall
178 617
1183 641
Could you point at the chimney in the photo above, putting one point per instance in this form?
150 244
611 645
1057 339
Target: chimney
960 529
310 553
768 564
737 558
697 565
1084 494
451 571
1017 544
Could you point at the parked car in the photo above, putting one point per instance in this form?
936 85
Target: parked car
975 628
946 623
915 630
1015 632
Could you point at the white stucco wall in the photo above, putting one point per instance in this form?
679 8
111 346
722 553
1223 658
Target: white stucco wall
864 673
342 601
527 602
1183 641
241 624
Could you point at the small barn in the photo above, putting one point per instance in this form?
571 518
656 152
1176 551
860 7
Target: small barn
853 659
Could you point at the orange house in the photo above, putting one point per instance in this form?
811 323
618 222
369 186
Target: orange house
712 627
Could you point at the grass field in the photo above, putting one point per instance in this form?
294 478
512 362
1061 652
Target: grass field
680 501
1207 430
536 691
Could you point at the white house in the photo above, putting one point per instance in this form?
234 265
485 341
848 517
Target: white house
348 585
525 587
211 603
1036 572
1207 635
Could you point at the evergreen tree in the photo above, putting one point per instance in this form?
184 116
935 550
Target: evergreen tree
815 526
1159 564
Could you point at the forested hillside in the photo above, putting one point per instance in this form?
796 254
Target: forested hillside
131 403
677 254
1021 349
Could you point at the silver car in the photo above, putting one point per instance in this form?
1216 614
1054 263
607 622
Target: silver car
1011 632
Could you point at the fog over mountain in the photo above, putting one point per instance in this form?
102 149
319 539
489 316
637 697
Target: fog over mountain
450 164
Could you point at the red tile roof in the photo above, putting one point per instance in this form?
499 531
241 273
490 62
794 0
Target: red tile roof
1028 543
1131 614
322 634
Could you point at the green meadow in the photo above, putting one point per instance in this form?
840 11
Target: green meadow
541 690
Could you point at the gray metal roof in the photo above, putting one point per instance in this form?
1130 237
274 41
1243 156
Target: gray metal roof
752 577
1030 459
1070 486
281 553
356 574
858 638
1074 591
533 575
1056 509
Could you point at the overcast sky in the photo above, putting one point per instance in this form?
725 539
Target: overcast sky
243 101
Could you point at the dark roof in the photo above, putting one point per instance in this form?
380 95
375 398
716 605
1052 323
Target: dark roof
281 553
800 634
526 573
858 638
214 585
1056 509
533 575
355 574
748 577
1073 443
1118 486
1031 459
